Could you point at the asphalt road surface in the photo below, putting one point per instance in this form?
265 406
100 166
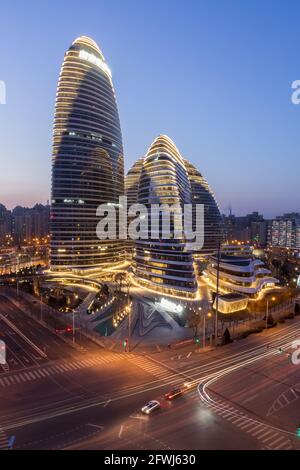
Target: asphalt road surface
93 400
28 342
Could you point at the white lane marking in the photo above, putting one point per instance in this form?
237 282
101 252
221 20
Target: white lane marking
251 398
267 433
74 365
258 430
284 445
280 439
189 354
247 425
139 417
57 368
121 431
238 420
96 426
3 439
106 403
16 330
272 437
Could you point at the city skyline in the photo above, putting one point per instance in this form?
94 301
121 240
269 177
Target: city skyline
149 230
260 134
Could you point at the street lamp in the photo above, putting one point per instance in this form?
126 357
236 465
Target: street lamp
217 293
204 327
41 304
267 312
73 339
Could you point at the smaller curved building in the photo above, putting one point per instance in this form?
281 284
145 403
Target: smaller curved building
239 272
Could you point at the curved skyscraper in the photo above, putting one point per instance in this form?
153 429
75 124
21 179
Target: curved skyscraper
163 263
87 159
163 176
213 225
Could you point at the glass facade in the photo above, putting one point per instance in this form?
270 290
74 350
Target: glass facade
239 272
213 225
87 159
163 263
163 176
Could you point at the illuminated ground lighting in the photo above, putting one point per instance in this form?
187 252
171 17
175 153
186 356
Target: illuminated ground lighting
230 303
168 305
117 319
74 284
165 294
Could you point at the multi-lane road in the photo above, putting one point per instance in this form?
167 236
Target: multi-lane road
91 399
27 342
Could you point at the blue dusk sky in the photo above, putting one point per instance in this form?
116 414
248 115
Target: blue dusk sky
214 75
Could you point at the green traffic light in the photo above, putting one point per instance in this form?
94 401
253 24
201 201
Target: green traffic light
298 432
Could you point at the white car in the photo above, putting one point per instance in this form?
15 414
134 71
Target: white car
150 407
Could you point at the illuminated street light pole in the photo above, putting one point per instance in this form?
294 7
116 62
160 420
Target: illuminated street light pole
204 329
129 313
41 304
73 339
267 311
217 294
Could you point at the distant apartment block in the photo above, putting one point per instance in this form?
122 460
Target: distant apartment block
285 231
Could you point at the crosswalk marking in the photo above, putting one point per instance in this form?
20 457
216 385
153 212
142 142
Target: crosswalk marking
279 439
263 433
153 368
271 438
268 439
15 378
246 426
238 420
265 436
286 445
259 429
3 439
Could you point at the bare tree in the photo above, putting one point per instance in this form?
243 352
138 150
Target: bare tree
194 318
